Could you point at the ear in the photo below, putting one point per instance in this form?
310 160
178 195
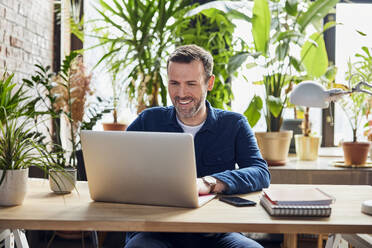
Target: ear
211 83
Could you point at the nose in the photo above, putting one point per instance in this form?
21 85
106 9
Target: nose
182 92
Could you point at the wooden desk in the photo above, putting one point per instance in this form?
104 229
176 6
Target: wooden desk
320 171
43 210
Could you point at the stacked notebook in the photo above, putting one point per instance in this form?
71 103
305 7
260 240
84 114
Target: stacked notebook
296 202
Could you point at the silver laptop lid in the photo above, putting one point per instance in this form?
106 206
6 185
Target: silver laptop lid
141 167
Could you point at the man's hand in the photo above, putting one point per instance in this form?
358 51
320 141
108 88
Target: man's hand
203 188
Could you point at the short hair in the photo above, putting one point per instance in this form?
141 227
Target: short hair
189 53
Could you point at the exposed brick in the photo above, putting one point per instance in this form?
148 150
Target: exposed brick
21 20
18 31
7 52
6 38
2 12
26 35
11 15
10 64
14 42
21 9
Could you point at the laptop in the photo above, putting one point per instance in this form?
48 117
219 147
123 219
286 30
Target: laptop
149 168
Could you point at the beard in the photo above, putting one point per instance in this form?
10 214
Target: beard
189 111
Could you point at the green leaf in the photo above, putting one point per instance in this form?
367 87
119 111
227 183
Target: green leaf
295 63
236 61
291 7
361 33
251 65
315 58
229 7
261 82
261 25
331 73
281 51
329 25
253 112
317 11
275 105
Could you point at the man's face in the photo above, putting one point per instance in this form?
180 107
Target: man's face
188 90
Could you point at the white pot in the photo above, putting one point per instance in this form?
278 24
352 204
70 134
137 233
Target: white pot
307 147
62 182
13 188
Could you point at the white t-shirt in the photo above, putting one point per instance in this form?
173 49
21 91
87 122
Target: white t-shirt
190 129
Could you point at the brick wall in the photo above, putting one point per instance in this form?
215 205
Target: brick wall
26 35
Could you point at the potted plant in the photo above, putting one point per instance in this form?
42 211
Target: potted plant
20 145
307 144
278 27
13 176
63 98
117 93
71 90
356 106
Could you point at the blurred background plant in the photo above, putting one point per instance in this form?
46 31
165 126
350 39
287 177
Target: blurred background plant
357 106
278 28
136 49
212 30
63 99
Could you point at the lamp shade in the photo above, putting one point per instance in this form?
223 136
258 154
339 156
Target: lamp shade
309 94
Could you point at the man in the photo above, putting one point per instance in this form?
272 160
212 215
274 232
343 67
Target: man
221 138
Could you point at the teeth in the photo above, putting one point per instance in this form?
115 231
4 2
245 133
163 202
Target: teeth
185 102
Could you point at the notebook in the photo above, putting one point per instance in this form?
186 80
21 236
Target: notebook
296 202
302 196
148 168
295 210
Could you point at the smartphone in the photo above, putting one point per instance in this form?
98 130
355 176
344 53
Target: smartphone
237 201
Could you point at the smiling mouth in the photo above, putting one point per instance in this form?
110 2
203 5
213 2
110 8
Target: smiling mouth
185 102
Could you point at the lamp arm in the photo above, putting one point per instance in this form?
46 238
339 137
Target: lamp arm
335 94
358 88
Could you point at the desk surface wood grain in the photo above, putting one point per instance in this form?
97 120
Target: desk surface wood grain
44 210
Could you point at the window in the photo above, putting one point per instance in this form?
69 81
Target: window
349 42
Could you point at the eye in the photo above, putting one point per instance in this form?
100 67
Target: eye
191 83
173 83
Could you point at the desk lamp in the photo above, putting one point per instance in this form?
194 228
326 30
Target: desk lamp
311 94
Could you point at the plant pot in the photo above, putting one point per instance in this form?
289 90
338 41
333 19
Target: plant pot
295 126
13 188
355 153
62 182
274 146
307 147
114 127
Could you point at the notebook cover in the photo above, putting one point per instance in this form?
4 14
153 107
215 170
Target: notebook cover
298 196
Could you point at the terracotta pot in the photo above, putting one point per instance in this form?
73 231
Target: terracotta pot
114 127
13 188
274 146
307 147
355 153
